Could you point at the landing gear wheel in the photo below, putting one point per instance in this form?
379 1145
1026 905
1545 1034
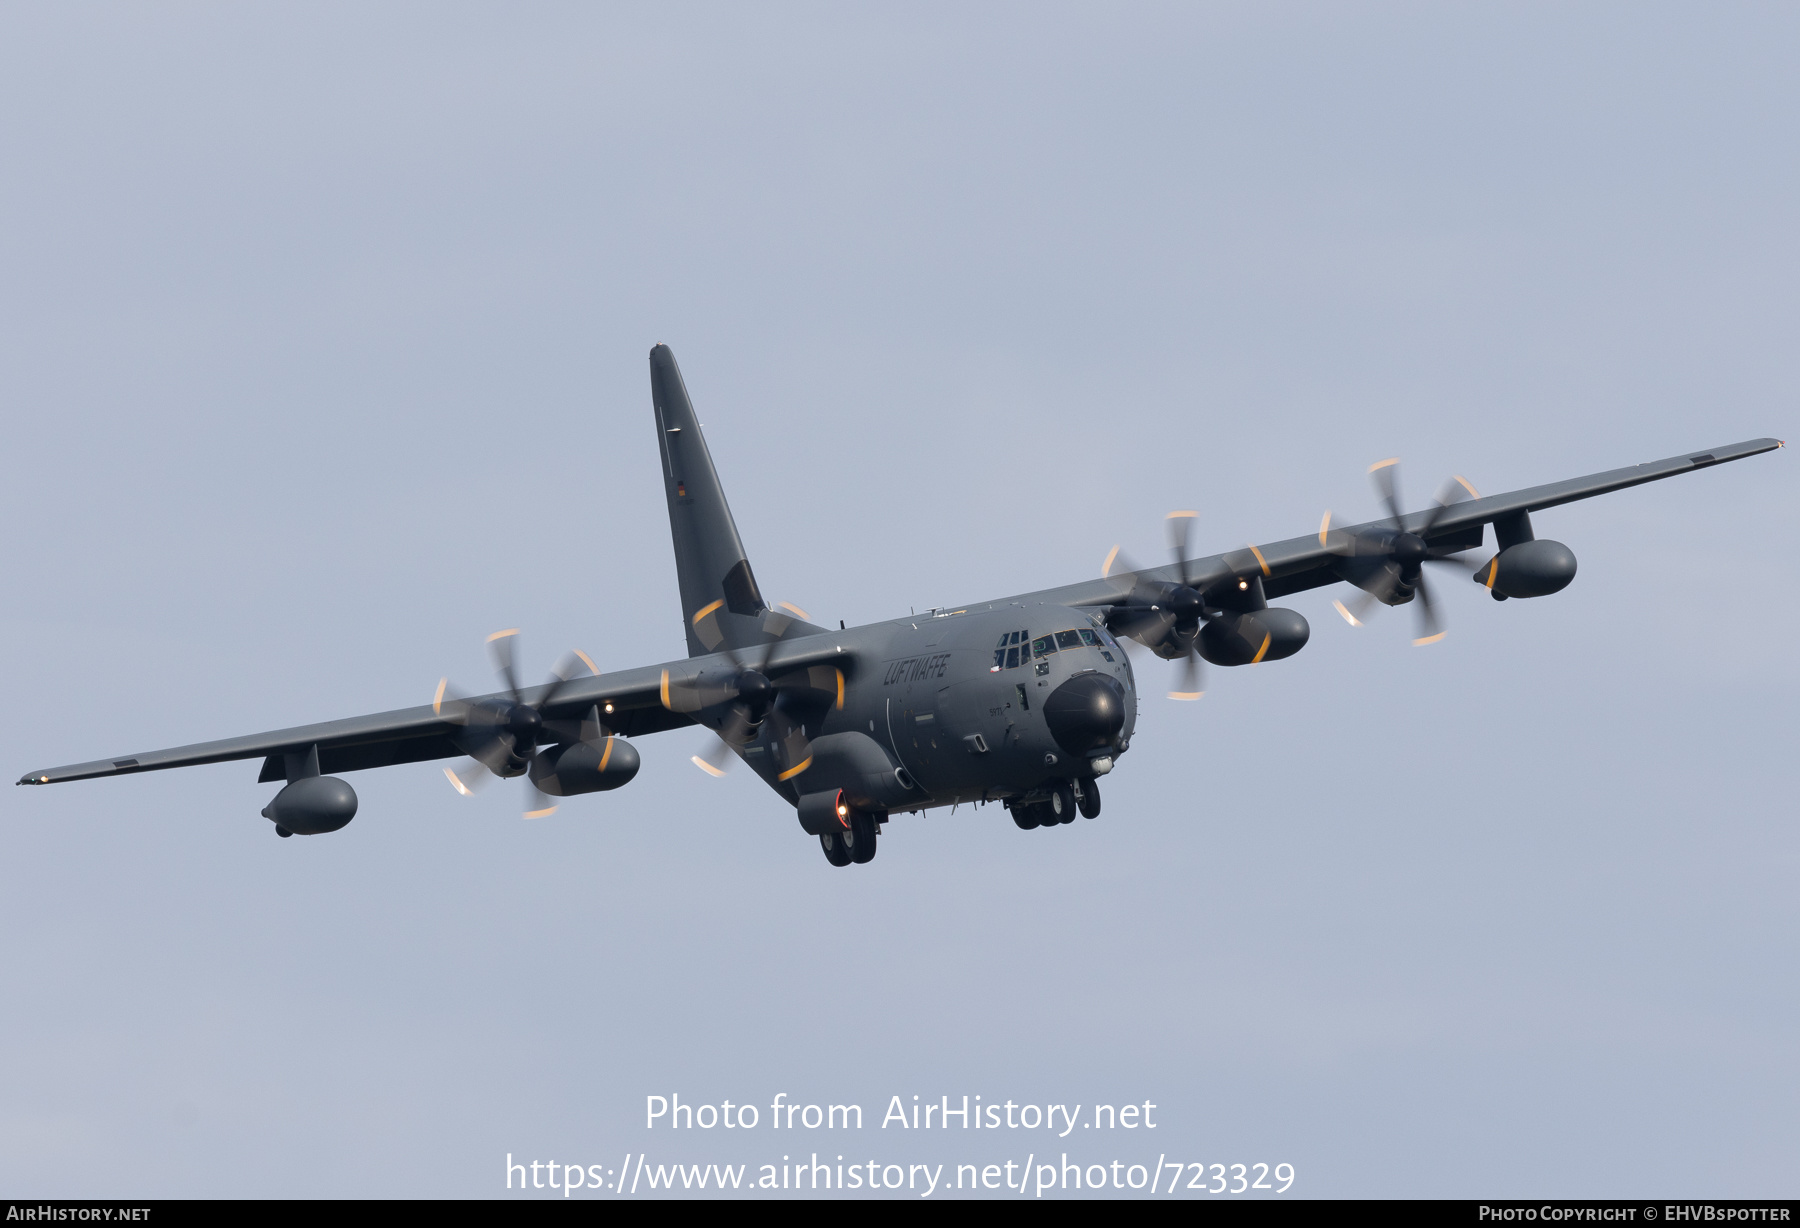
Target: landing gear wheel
1062 803
861 838
1025 816
1090 798
836 851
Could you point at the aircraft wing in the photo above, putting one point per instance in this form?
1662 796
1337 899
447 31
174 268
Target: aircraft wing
1301 563
1304 566
411 735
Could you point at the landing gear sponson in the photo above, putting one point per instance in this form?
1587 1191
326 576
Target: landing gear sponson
847 835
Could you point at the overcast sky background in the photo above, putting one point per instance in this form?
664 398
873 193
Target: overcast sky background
323 338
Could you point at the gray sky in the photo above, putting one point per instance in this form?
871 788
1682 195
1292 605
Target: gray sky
322 355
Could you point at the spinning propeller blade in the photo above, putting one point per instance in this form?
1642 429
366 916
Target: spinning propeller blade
500 736
1163 616
750 696
1405 552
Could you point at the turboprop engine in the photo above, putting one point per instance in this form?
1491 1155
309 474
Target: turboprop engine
1252 636
584 767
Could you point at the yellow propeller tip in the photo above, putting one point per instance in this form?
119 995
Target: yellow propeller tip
706 767
1429 639
1186 695
500 635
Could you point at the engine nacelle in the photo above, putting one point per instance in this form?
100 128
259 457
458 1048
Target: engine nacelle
1244 639
585 767
312 806
1529 569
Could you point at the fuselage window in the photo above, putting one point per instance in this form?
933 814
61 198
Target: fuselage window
1068 639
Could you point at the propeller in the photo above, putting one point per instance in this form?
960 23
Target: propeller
750 698
1403 553
1165 616
500 733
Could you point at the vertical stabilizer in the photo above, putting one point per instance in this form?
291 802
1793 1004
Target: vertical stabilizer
720 602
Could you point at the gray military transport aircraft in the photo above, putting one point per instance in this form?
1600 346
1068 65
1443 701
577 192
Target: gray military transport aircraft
1024 700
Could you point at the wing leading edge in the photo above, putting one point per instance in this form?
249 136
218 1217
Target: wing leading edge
1301 563
631 703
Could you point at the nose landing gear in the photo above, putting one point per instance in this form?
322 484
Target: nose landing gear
1089 798
1067 798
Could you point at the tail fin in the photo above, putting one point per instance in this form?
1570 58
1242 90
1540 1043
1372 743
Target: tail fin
719 598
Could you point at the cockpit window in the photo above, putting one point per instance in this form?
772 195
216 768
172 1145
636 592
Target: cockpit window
1068 639
1044 645
1014 650
1089 638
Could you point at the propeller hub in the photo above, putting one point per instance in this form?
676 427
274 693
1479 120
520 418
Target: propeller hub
524 723
1186 604
1408 550
755 689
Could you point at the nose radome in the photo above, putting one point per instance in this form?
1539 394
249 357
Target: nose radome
1085 713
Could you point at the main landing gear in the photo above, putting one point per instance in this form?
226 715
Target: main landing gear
855 843
1066 798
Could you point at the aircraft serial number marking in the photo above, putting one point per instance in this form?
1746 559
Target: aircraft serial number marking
915 669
